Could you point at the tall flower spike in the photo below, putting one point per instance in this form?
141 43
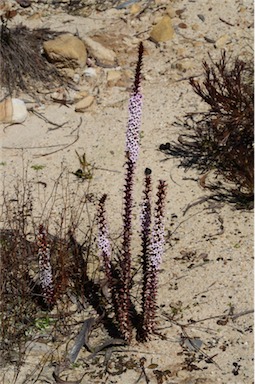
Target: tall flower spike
132 149
135 113
157 241
103 239
146 262
145 218
155 252
45 270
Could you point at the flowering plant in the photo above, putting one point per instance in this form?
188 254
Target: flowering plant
118 274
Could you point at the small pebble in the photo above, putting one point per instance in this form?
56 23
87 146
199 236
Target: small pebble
201 17
222 41
179 12
90 72
209 40
84 104
134 9
76 78
195 27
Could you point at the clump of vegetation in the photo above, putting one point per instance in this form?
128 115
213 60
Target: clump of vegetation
41 264
49 263
23 67
118 272
221 139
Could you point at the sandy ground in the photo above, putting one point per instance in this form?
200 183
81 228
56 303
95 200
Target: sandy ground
197 290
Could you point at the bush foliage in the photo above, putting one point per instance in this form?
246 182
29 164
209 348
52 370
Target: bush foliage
221 139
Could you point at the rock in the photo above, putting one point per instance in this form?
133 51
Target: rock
222 41
104 57
6 110
90 72
63 96
134 9
80 95
19 111
163 30
170 11
157 19
180 12
67 72
24 3
13 111
201 17
66 51
76 78
184 65
84 104
182 25
113 77
125 79
195 27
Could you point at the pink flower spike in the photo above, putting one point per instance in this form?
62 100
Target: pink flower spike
135 113
157 245
157 240
103 239
133 129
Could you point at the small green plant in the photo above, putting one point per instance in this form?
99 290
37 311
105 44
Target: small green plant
37 167
43 323
85 172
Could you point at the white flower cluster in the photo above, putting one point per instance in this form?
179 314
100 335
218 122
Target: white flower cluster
45 270
133 128
104 245
46 276
157 244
